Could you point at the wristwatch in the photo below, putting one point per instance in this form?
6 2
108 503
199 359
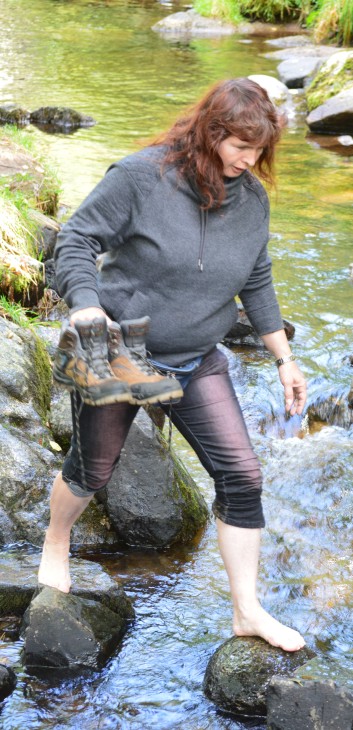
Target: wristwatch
282 360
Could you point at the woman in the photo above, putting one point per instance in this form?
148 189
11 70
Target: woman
184 228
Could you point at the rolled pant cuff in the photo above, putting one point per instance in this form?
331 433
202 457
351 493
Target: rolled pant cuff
234 522
79 491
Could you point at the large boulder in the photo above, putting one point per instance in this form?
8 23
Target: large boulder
335 116
330 96
277 91
63 631
151 499
296 72
239 672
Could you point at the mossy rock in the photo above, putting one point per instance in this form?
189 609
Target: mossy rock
334 76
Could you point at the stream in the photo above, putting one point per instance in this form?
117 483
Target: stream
101 58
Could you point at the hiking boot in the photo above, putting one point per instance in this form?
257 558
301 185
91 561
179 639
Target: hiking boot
128 360
81 362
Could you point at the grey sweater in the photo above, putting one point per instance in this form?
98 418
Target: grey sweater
167 258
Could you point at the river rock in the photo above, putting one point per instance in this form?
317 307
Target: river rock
277 91
7 681
190 23
308 705
330 96
239 672
296 72
11 114
60 118
306 51
151 499
18 583
335 116
290 41
64 631
243 333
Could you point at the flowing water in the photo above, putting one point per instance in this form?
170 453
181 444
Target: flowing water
101 58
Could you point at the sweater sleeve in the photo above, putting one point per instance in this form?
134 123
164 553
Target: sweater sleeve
98 225
259 299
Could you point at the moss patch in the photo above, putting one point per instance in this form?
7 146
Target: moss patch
42 375
185 490
327 83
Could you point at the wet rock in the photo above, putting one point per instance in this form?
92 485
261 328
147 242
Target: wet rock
7 681
325 668
296 72
330 96
239 672
331 406
60 118
308 705
64 631
10 114
190 23
277 91
18 583
335 116
291 41
306 51
243 333
151 499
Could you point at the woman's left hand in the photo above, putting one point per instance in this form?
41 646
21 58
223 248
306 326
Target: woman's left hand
294 385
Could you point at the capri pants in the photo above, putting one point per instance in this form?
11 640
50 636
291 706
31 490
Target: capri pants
210 419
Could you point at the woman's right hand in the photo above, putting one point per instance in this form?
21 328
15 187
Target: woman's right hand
88 314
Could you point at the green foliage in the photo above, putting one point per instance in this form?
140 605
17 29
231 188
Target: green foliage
271 10
224 9
16 313
332 20
329 19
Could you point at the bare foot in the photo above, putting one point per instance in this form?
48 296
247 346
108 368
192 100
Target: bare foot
54 565
260 623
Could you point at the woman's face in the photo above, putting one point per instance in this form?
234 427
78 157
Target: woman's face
237 155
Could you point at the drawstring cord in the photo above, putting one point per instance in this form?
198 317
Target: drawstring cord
203 225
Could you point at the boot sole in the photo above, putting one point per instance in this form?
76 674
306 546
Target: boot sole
103 401
159 398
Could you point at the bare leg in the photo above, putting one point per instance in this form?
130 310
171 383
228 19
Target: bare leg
240 549
65 509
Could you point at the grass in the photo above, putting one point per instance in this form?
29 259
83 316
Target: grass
23 198
329 19
227 10
16 313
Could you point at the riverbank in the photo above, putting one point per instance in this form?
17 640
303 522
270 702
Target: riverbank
29 200
326 20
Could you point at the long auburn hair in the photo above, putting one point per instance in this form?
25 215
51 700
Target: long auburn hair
236 107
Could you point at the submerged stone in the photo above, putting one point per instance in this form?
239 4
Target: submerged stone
189 22
64 631
151 499
239 672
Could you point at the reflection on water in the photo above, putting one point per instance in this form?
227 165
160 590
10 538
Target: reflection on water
101 58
